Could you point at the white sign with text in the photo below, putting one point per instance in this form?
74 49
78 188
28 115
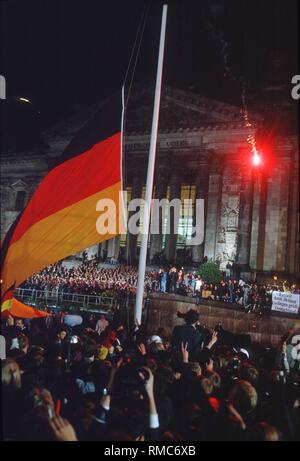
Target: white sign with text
285 302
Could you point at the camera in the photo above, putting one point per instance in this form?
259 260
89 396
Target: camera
129 383
236 363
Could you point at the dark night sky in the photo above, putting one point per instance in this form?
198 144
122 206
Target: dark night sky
63 53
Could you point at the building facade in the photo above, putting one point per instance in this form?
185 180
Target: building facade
251 214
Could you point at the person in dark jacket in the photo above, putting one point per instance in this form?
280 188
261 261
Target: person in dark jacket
11 399
173 277
189 333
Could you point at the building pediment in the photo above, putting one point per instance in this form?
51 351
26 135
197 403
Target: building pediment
19 185
180 110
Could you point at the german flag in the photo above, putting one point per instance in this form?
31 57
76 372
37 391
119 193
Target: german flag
60 219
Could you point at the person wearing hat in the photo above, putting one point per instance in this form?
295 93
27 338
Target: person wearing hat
188 333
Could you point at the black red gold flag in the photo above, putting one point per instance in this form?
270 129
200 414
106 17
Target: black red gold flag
60 218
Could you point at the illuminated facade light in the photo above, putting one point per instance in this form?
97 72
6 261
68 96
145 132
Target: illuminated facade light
25 100
256 158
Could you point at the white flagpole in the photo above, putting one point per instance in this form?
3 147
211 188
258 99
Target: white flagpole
150 173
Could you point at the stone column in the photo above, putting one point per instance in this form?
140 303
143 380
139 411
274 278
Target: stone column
113 247
161 186
245 222
213 208
297 252
110 248
202 183
283 228
171 239
293 215
101 248
104 249
8 212
117 240
6 193
262 222
131 241
272 219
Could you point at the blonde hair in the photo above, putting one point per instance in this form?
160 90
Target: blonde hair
214 378
243 396
11 376
206 385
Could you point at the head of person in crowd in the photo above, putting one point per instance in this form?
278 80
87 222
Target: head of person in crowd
62 334
191 317
118 383
243 397
40 409
23 343
264 432
10 375
249 373
19 323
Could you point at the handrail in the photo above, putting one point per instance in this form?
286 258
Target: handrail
54 297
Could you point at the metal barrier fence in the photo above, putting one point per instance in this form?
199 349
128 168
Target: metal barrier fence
102 304
53 298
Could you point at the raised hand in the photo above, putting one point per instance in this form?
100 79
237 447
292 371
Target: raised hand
185 352
142 348
62 430
210 365
213 340
137 323
148 378
148 381
116 366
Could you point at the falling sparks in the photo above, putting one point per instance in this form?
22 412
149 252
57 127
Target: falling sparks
251 140
218 35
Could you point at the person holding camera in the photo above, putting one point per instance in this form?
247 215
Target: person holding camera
127 408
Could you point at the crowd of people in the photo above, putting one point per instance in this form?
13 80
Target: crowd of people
90 279
87 279
93 379
252 297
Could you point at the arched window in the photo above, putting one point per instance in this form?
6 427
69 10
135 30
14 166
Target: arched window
20 200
